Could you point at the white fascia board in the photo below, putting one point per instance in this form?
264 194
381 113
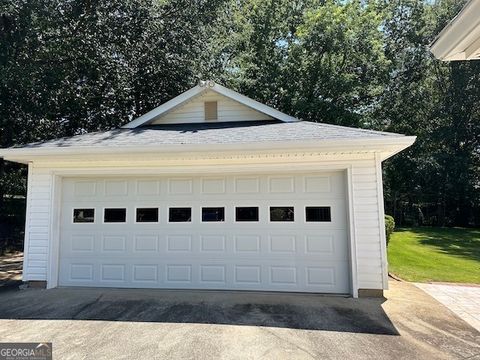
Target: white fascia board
459 35
209 85
385 145
164 108
253 104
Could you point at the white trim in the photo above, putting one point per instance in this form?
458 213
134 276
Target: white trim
136 207
253 104
280 222
304 213
195 91
247 222
386 144
200 220
165 107
86 208
381 220
352 233
114 222
207 169
180 207
53 268
26 241
457 40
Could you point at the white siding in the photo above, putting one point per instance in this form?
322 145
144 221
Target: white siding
37 227
228 110
367 229
367 225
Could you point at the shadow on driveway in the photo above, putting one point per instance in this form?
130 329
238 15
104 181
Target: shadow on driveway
86 323
294 311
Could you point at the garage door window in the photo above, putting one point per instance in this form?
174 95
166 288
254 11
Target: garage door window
83 215
246 213
212 214
318 214
282 213
180 214
146 215
115 215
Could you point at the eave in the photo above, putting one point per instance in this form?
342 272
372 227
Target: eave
460 39
386 146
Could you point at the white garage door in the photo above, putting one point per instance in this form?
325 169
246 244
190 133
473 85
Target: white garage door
255 232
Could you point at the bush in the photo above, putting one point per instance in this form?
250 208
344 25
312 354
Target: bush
389 226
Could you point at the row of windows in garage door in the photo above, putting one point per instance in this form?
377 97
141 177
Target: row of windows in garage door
209 214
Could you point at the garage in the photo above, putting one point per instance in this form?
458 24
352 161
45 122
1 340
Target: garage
209 190
275 232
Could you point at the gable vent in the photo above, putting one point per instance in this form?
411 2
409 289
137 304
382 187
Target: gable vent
211 111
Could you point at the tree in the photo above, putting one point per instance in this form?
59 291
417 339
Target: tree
436 181
317 60
69 67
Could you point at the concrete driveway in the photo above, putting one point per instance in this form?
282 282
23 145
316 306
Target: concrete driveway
463 300
139 324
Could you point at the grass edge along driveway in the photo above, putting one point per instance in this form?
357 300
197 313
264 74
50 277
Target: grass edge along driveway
426 254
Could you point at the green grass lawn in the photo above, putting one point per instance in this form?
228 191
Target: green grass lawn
435 254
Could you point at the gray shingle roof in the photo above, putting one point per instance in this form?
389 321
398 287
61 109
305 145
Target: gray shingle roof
220 133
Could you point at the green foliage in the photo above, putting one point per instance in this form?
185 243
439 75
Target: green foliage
436 181
340 52
389 227
367 64
317 60
68 67
435 254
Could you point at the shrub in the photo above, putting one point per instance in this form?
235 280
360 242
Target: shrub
389 226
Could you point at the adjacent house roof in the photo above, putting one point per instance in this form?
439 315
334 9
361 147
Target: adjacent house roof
460 39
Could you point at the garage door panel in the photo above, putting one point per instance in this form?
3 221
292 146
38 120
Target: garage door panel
316 245
247 243
145 273
328 185
145 243
252 255
81 243
82 272
276 275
